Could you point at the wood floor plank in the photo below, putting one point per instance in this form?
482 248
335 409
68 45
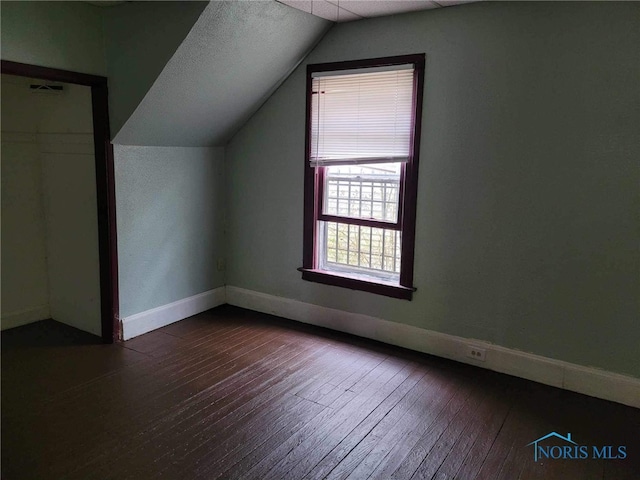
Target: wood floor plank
255 434
402 459
144 374
234 394
253 409
165 397
343 379
340 461
376 386
475 456
135 416
365 432
286 386
340 365
389 454
439 451
505 441
257 454
205 410
494 410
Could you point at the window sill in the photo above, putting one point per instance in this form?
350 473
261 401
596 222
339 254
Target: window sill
341 280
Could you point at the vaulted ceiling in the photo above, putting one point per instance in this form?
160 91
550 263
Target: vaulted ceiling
191 73
231 60
140 39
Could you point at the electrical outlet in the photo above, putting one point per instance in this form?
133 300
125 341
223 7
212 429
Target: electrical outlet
221 264
476 353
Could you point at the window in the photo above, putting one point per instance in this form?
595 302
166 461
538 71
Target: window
361 172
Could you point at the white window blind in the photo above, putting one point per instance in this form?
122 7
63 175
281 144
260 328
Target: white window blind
361 118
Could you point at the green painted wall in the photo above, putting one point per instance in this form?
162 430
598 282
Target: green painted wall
170 219
169 200
64 35
528 192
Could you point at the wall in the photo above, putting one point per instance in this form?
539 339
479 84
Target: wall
49 220
25 283
527 201
64 35
69 191
170 204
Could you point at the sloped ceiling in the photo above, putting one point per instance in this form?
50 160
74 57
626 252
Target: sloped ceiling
234 57
140 38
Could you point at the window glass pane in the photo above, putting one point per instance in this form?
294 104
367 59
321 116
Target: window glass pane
363 250
362 191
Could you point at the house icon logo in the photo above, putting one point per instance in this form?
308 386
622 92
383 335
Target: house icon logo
536 449
570 450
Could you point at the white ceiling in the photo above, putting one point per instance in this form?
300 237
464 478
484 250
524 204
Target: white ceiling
348 10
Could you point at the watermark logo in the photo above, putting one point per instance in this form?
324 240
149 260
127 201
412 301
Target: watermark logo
574 451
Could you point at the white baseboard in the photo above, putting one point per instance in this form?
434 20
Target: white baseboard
144 322
23 317
587 380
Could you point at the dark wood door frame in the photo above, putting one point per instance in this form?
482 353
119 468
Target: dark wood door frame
105 184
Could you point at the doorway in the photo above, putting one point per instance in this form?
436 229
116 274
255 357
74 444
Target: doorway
73 160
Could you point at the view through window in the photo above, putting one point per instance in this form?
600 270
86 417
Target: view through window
361 177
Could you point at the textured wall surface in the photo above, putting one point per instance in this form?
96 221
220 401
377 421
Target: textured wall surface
234 57
170 204
528 193
65 35
140 38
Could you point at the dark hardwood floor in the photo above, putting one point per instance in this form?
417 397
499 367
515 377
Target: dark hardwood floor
236 394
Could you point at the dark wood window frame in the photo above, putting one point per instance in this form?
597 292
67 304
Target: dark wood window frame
313 184
105 184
